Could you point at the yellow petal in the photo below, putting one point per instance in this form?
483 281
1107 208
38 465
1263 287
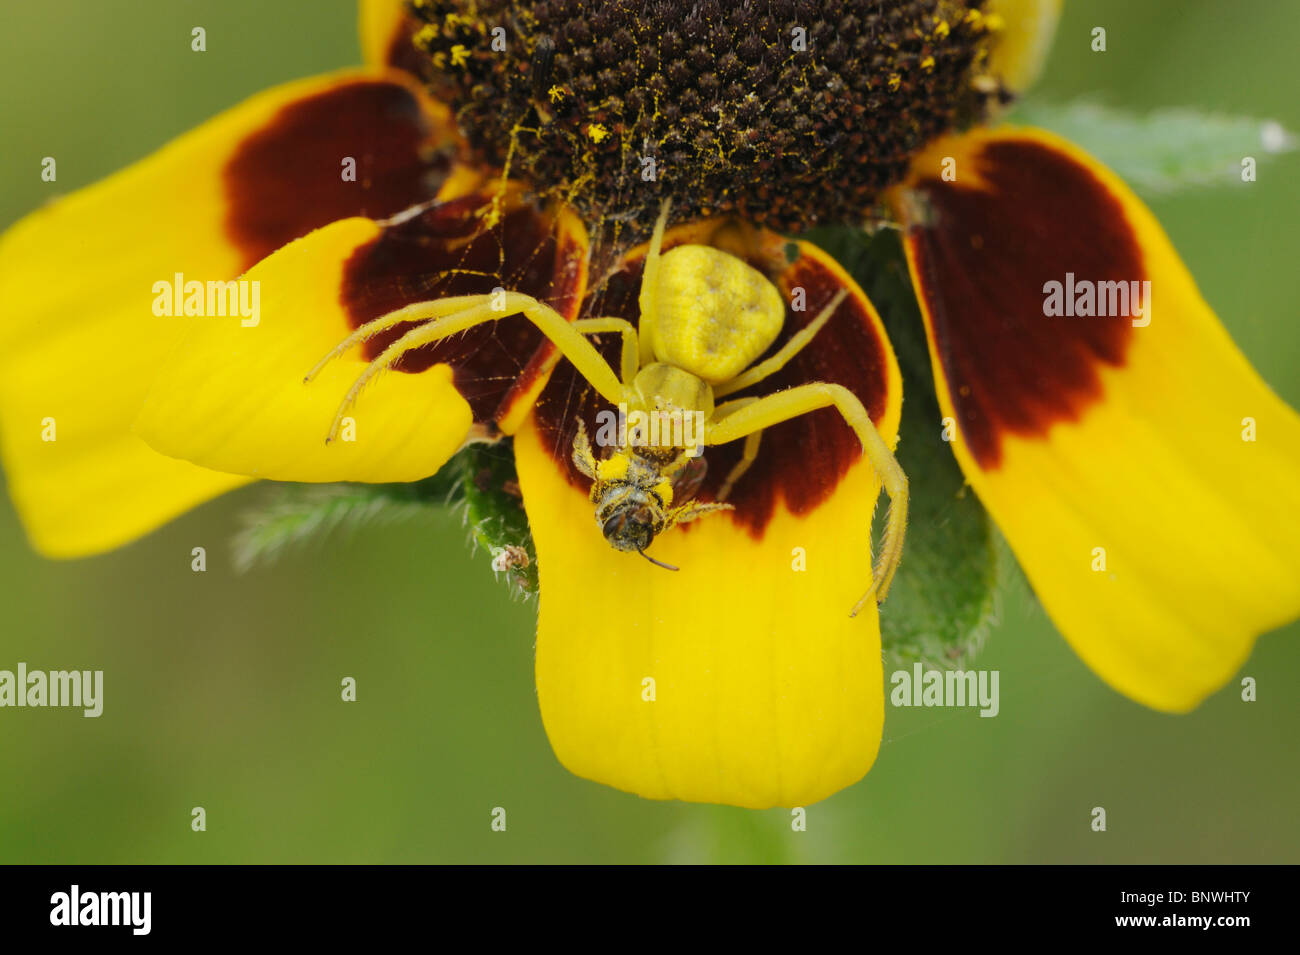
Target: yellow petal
740 678
1112 450
232 396
735 680
1021 46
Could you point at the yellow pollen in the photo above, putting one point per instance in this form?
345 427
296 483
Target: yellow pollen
928 64
596 132
556 93
941 30
894 81
459 55
425 35
613 468
665 491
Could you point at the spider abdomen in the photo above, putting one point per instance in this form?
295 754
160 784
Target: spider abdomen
715 315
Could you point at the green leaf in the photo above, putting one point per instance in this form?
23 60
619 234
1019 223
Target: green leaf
495 512
297 514
942 599
1164 151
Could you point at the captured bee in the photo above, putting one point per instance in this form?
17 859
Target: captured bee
634 490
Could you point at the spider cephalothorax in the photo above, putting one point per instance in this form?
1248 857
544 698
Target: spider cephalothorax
706 318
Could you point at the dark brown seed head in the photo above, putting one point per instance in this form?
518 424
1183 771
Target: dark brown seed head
789 113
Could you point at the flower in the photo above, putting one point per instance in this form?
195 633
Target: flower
1092 429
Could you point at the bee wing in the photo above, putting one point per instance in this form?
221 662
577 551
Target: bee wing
687 481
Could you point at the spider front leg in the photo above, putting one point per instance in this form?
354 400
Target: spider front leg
784 405
630 360
469 311
415 312
646 303
756 373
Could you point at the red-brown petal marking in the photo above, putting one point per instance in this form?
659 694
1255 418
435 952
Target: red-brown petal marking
800 461
287 179
448 250
1018 215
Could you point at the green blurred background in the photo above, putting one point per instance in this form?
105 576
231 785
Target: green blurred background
222 691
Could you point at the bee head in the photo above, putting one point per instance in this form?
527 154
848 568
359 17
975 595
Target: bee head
632 500
630 525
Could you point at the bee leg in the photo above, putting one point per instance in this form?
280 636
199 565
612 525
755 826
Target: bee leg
690 511
583 459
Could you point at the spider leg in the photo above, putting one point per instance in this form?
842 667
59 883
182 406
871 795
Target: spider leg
752 441
756 373
649 281
570 342
416 312
630 358
784 405
750 452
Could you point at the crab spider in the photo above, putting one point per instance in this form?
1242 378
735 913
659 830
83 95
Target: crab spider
705 319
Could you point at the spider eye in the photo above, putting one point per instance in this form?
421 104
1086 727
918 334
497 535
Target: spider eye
629 528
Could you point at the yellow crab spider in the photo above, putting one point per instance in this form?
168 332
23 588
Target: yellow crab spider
706 317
